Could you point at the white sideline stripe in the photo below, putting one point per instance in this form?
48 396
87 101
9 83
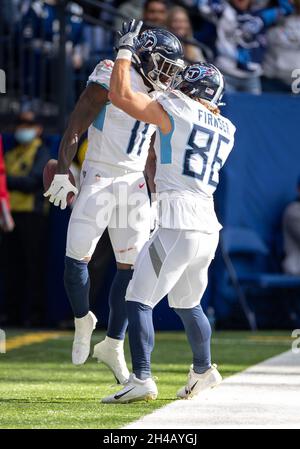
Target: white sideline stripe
266 395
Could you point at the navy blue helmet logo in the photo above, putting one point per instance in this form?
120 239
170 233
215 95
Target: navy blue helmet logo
196 72
148 40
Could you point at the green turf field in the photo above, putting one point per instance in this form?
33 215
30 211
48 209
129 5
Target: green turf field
40 388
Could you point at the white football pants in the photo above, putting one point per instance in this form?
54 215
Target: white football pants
173 262
118 201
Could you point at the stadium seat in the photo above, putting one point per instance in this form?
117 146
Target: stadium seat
242 240
250 268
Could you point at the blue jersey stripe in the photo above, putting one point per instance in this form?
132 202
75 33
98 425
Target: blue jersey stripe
99 120
145 130
165 144
105 86
133 137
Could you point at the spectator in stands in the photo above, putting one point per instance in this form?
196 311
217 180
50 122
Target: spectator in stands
155 13
291 234
241 39
9 12
98 45
132 9
42 23
6 220
283 53
24 250
40 29
178 22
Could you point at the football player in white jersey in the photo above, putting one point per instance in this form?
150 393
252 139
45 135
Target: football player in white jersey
194 143
113 191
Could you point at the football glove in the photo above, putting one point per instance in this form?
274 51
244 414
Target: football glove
128 35
59 189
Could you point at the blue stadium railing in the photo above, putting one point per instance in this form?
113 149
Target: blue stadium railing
38 71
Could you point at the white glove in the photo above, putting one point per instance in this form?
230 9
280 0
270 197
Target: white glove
129 34
59 189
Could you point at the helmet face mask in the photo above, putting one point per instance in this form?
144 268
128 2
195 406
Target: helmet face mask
164 71
202 81
158 57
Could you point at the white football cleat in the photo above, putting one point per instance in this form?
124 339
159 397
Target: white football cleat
111 352
135 390
82 339
200 382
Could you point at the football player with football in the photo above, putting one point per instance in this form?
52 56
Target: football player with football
112 193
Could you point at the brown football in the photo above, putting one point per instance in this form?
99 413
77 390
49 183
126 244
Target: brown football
48 175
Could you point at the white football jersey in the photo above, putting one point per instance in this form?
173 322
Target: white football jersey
189 159
114 137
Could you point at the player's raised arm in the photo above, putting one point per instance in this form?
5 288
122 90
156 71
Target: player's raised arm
137 104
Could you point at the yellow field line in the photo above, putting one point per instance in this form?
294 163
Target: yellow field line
32 338
40 337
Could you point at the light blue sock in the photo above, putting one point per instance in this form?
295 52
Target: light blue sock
198 331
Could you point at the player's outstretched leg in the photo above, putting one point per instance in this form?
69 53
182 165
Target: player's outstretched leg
111 350
140 386
202 374
77 285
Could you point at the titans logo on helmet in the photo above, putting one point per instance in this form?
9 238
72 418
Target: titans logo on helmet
196 72
148 40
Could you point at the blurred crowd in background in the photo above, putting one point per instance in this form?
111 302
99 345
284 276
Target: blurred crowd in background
255 43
